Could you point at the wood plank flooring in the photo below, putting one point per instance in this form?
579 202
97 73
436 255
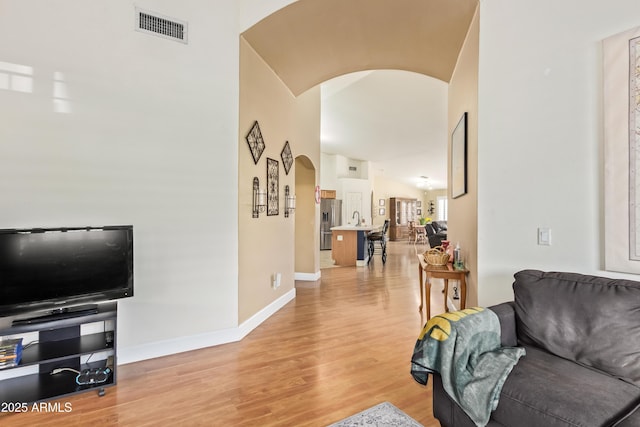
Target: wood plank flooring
344 344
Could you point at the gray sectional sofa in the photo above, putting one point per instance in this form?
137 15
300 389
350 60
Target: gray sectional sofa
582 364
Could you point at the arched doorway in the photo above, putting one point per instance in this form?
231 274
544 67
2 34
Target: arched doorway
306 236
311 41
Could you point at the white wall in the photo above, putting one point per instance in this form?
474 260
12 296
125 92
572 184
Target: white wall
328 171
335 175
150 139
540 136
252 11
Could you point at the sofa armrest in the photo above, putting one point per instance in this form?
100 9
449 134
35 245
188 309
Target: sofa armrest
507 314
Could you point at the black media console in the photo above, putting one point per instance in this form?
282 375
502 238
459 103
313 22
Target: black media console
63 346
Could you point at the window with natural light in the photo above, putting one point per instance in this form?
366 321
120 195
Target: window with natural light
442 208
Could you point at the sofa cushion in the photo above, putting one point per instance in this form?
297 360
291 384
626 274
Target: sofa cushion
440 225
545 390
630 420
594 321
429 229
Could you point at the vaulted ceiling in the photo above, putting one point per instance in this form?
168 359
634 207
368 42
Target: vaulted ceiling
312 41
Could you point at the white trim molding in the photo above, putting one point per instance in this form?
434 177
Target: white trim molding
307 277
195 342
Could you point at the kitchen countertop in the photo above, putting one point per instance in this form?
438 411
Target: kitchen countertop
353 228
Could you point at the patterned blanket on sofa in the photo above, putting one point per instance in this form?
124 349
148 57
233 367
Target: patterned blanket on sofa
464 348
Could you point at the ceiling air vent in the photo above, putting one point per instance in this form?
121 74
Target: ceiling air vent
163 26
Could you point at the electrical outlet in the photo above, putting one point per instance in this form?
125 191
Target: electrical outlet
275 280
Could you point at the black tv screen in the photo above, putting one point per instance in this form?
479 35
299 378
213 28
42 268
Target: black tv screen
52 268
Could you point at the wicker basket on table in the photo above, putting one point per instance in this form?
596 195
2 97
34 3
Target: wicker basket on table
436 256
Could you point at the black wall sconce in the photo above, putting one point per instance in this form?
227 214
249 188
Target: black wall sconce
259 198
289 202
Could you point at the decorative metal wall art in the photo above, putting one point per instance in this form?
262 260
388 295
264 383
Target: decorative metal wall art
289 201
255 141
259 198
287 157
272 187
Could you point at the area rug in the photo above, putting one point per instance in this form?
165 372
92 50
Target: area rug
382 415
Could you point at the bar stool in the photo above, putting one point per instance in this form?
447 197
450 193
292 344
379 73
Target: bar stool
378 236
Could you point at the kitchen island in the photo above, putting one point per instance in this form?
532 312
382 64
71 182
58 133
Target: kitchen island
349 244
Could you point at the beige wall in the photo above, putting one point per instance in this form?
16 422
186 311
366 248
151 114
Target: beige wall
463 211
266 245
432 195
385 188
307 236
307 165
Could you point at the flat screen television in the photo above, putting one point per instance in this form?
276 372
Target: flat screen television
55 268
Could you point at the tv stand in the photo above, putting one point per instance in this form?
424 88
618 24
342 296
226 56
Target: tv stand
59 314
51 344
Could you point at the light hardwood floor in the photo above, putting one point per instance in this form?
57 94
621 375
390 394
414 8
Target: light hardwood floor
344 344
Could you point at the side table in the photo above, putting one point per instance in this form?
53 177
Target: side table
445 272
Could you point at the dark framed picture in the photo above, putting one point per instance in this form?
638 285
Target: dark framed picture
419 212
459 158
272 187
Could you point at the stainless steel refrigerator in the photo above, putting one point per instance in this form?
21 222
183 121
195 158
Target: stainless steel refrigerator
330 216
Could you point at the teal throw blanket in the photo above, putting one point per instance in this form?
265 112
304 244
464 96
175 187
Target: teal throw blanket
464 348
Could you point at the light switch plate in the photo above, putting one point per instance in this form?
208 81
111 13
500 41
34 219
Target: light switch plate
544 236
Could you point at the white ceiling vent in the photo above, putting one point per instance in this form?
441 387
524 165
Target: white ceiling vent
159 25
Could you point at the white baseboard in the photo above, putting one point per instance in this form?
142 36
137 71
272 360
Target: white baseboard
176 345
255 320
307 277
194 342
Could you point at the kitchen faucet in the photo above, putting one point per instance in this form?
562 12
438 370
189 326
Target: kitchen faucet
353 216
